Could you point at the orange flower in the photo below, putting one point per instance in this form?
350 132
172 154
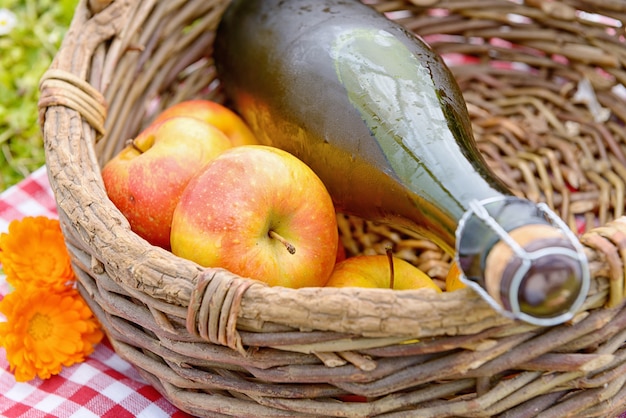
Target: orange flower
33 252
45 331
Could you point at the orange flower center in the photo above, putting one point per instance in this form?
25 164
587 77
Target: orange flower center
40 327
44 261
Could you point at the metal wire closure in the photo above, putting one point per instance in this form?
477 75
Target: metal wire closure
483 211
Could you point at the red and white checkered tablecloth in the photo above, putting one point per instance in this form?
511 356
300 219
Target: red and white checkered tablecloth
104 385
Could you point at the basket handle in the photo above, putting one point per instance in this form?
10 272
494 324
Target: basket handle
62 88
214 307
609 241
96 6
66 82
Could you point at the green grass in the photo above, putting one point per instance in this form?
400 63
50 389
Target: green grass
25 54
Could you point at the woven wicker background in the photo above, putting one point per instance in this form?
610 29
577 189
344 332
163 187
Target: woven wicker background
220 345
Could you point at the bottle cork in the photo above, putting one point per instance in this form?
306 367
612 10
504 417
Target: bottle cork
539 277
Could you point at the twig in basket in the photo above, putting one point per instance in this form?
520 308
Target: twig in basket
330 359
364 363
567 362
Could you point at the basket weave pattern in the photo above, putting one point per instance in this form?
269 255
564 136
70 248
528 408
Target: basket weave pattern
220 345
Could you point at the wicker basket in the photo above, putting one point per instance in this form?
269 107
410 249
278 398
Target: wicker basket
219 345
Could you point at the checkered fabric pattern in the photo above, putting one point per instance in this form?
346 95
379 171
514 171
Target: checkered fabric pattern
32 197
104 385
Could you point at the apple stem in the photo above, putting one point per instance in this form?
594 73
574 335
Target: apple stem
131 142
391 271
275 235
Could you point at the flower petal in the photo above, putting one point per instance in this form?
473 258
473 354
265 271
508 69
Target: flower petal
33 253
44 331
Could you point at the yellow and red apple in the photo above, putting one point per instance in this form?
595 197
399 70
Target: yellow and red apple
261 213
145 180
374 271
217 115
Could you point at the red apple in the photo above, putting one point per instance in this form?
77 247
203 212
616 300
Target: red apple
261 213
217 115
145 180
374 271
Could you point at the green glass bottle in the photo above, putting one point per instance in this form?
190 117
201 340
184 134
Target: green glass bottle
380 118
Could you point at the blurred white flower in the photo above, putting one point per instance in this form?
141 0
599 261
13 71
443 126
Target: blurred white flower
7 21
